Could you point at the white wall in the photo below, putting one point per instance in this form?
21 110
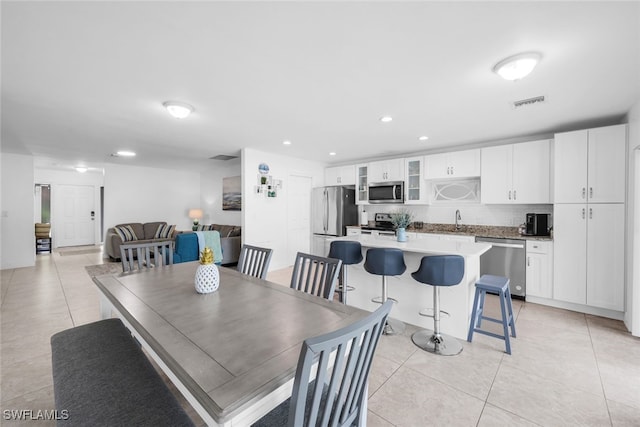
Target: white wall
211 185
17 247
57 177
264 219
141 194
632 314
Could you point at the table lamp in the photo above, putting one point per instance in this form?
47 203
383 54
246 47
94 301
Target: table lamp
195 215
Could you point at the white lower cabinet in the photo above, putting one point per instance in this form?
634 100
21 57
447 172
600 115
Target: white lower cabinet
539 270
588 261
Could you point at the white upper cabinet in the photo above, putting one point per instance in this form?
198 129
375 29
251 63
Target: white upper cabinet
458 164
589 165
386 170
516 173
414 186
340 175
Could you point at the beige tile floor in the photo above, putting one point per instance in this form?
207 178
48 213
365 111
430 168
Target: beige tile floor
567 369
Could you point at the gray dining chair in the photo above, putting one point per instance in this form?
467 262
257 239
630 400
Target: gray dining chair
335 395
315 275
137 256
254 261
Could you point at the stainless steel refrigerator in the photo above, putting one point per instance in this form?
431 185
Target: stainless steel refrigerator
332 209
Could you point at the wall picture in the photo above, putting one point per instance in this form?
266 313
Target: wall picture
231 193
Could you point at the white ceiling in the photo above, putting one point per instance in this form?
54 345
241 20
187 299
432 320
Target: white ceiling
81 80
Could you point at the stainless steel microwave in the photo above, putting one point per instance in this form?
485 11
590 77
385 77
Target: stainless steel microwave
386 192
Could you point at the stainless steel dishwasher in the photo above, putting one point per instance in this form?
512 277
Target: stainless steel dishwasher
507 258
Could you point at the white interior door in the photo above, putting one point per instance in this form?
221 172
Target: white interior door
72 220
298 216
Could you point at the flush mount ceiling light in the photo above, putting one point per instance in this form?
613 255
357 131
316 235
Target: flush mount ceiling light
179 110
124 153
286 142
517 66
423 138
386 119
82 169
333 153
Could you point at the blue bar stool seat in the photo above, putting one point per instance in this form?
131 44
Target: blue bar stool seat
350 253
494 285
386 262
438 271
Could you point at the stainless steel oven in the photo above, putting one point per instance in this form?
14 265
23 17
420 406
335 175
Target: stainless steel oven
506 258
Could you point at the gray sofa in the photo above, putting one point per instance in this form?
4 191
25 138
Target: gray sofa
230 238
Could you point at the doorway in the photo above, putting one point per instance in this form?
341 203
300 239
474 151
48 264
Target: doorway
73 214
298 215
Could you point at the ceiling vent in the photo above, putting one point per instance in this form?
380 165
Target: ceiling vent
529 101
223 157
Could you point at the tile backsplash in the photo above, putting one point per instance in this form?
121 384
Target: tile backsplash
472 214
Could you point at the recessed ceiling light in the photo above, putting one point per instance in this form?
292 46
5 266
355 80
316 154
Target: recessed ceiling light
386 119
286 142
333 153
517 66
125 153
423 138
177 109
82 169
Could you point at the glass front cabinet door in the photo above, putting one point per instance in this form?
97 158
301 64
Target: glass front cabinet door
414 186
362 195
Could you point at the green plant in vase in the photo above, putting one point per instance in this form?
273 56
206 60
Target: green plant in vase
401 220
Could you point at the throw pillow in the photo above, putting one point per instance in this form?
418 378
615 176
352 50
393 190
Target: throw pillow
126 233
203 227
235 231
164 231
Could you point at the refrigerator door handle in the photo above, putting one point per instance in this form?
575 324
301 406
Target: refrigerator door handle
326 211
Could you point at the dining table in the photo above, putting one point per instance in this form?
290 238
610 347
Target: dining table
232 353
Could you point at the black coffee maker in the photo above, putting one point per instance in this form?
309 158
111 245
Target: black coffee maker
537 224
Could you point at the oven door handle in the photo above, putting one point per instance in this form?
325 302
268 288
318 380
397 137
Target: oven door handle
506 245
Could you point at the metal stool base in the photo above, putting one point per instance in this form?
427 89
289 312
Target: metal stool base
379 300
442 344
393 327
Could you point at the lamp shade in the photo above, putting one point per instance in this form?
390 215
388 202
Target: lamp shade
195 213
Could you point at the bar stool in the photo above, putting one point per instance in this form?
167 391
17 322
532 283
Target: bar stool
438 271
350 253
386 262
494 285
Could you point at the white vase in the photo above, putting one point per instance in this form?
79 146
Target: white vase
402 235
207 278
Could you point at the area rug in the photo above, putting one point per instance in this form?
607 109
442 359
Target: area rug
80 252
104 269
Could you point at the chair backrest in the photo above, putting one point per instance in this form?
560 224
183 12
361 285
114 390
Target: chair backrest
136 256
254 261
343 360
315 275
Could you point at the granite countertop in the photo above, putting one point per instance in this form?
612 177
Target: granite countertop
475 230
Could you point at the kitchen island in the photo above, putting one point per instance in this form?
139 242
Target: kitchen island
413 296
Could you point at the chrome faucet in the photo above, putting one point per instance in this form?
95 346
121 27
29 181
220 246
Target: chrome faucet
458 218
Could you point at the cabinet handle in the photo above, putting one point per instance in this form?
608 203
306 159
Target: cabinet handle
514 194
591 192
590 213
451 170
509 194
583 212
528 261
584 192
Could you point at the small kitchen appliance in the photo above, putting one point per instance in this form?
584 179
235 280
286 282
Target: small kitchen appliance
537 224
